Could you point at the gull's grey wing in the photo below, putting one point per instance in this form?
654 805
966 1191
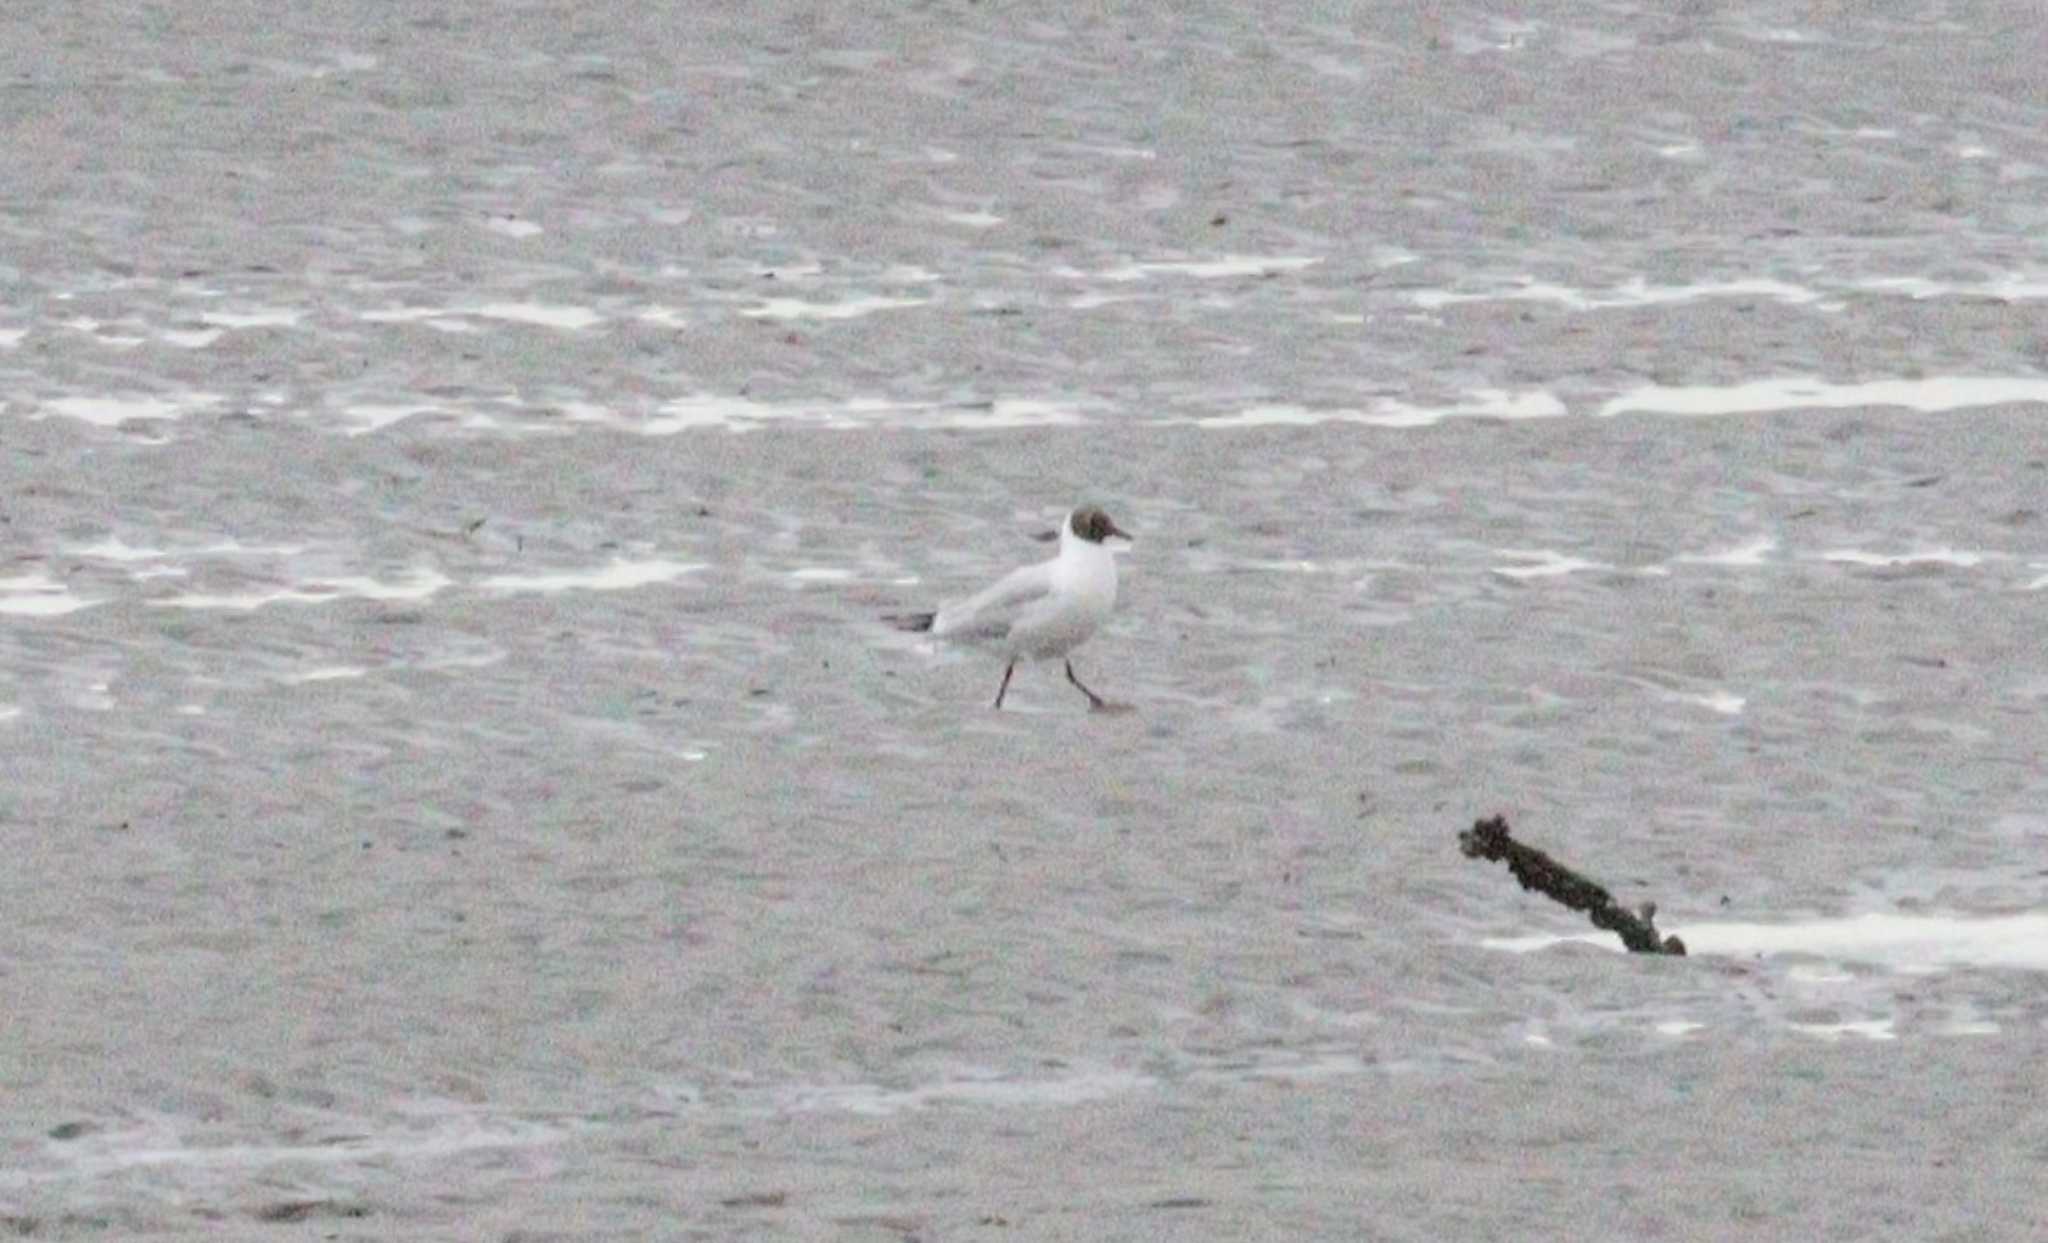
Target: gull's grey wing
989 613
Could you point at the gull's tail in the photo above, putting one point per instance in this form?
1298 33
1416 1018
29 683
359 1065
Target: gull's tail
910 621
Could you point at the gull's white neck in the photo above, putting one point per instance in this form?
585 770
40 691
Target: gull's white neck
1085 574
1085 555
1073 546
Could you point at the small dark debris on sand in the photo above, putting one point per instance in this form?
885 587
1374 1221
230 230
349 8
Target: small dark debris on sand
301 1210
1490 839
757 1199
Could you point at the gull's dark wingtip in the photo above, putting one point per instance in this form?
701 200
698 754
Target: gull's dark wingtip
910 621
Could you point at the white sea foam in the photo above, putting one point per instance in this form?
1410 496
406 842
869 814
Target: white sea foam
1200 269
114 411
1932 556
1544 563
1936 393
1755 552
873 1100
1634 292
260 317
1970 1027
620 575
1639 292
853 308
1910 943
404 314
450 318
1387 412
567 318
367 417
742 413
38 595
975 1088
739 414
326 673
154 1141
1869 1029
700 410
2009 287
113 548
1727 703
1015 412
417 584
191 338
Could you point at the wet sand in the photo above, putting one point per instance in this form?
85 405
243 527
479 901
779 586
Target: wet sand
459 787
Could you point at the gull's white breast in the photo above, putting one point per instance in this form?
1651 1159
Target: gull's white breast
1083 593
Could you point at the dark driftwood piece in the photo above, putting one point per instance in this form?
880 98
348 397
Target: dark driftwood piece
1490 839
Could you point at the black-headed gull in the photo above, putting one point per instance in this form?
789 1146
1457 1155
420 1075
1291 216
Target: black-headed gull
1041 611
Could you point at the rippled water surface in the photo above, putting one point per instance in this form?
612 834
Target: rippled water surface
453 459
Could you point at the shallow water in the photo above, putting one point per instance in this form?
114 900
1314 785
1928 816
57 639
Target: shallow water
459 786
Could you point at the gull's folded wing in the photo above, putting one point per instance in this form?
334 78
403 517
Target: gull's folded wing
989 614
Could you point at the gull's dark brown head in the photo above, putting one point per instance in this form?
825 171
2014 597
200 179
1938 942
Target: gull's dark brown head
1091 524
